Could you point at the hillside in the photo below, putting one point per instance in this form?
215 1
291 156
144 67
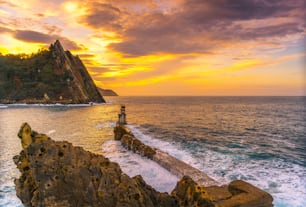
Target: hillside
49 76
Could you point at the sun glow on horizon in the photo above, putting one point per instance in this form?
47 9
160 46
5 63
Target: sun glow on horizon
18 47
146 47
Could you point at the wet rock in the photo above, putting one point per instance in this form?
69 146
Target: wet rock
59 174
121 130
131 143
196 188
246 195
190 193
55 173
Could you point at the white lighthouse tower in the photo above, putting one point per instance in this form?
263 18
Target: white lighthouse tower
122 116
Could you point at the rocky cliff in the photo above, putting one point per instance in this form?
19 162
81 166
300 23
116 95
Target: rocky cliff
59 174
50 76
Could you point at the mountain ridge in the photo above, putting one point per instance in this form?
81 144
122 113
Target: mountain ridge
49 76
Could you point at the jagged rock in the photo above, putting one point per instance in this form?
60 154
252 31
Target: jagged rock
59 174
131 143
120 130
190 193
55 173
246 195
50 76
205 191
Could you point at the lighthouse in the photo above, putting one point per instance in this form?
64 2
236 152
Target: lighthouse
122 116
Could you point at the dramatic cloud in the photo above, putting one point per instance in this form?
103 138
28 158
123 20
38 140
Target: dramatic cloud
199 11
103 16
135 46
32 36
38 37
5 30
200 24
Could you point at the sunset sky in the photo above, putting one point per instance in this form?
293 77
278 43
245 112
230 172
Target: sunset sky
170 47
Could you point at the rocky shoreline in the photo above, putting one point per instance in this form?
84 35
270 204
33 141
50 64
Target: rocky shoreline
37 101
55 173
237 193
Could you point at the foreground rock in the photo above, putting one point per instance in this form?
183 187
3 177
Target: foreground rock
59 174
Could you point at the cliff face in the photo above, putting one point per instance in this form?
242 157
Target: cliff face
50 76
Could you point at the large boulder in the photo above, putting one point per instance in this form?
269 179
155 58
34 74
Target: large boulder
55 173
59 174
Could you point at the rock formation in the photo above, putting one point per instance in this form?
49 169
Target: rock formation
107 92
59 174
131 143
205 191
50 76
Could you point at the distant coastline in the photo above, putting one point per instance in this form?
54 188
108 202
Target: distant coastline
107 92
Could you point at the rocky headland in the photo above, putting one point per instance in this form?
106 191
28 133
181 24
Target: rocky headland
55 173
49 76
107 92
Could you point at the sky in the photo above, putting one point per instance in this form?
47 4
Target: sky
170 47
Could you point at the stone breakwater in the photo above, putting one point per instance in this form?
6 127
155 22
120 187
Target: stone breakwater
55 173
238 193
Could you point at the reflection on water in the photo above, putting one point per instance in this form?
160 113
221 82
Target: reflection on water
83 126
259 139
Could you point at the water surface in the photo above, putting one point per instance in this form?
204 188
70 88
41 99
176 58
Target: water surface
258 139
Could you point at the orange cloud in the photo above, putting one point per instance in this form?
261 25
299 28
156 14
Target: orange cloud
145 46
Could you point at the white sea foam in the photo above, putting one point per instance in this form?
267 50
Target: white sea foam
285 181
53 105
8 197
133 164
106 125
52 131
168 147
172 148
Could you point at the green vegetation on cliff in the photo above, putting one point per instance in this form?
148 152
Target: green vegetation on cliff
48 76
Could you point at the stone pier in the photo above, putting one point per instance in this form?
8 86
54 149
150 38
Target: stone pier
56 173
172 164
237 193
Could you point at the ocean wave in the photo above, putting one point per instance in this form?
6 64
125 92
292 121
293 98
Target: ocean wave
284 180
133 164
110 124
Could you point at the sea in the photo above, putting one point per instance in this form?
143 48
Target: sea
261 140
